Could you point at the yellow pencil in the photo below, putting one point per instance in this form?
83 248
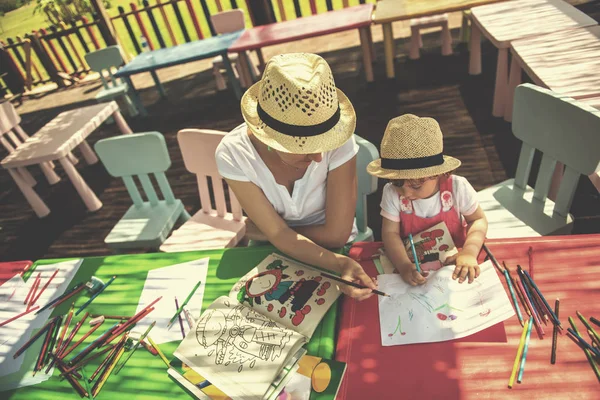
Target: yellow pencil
518 357
160 353
110 368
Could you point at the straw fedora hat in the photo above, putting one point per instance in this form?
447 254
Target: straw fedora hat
296 108
412 148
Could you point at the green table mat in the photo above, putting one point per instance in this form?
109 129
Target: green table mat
145 376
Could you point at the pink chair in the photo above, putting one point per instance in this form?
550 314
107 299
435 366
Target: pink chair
209 228
225 22
9 124
416 24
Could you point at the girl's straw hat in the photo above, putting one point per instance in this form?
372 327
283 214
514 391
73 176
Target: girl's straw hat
296 108
412 148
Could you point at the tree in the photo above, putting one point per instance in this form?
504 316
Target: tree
67 11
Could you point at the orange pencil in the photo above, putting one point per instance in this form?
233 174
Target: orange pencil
65 328
32 289
74 346
45 286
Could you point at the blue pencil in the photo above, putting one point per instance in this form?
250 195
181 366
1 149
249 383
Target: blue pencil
412 246
550 311
524 357
514 297
95 295
594 351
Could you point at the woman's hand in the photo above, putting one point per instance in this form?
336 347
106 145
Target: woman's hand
410 275
350 270
466 265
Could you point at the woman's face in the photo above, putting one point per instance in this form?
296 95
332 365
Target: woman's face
300 160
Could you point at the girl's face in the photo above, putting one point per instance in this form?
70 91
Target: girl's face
415 189
300 161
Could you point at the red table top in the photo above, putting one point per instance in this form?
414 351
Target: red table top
566 267
11 268
302 28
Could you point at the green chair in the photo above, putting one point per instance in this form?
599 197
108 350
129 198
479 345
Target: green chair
102 61
367 184
147 223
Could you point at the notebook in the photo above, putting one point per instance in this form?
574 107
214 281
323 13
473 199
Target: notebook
243 341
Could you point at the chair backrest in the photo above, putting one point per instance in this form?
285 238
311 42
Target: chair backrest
564 131
367 183
9 122
198 148
138 154
104 60
228 21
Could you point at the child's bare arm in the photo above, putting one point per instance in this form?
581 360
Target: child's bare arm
396 252
466 260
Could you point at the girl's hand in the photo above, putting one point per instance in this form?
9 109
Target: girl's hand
350 270
466 265
410 275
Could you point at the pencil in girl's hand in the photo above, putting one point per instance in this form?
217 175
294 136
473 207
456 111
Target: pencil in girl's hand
353 284
414 252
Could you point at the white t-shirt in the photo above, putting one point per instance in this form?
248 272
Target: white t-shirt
465 201
238 160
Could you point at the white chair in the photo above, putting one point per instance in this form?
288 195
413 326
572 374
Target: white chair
209 228
225 22
416 24
367 184
564 131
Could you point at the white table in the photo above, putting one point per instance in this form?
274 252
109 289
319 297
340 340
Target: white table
506 22
55 142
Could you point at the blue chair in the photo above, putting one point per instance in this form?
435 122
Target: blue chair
102 61
367 184
147 223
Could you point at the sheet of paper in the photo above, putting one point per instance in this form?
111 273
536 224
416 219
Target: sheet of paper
442 309
168 282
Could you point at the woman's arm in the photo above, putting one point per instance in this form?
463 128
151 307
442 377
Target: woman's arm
466 260
266 219
396 252
340 208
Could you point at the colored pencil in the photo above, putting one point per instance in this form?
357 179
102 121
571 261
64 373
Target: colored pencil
115 349
53 339
524 356
72 334
95 295
135 347
72 381
119 317
595 321
179 316
588 326
554 334
414 252
519 294
19 315
539 292
36 284
63 297
187 299
160 353
148 347
88 359
491 256
188 318
353 284
588 354
513 374
532 303
92 345
40 358
514 297
45 287
104 377
128 324
35 337
88 389
28 297
65 326
582 341
76 344
536 321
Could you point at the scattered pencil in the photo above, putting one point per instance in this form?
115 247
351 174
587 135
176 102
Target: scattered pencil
179 317
524 356
514 298
554 334
35 337
541 296
534 315
68 351
588 354
595 321
104 377
95 295
585 344
115 349
63 297
135 347
513 374
187 299
160 353
29 293
19 315
65 326
353 284
588 326
44 288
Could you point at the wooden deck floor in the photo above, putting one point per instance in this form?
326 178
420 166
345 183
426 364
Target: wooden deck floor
433 86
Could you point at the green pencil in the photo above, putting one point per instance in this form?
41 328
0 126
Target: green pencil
180 309
135 347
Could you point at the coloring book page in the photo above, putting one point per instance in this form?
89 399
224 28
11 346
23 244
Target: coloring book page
237 349
441 309
432 246
288 292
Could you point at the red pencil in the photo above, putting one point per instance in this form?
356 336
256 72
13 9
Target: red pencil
35 282
70 349
536 320
65 328
35 337
45 286
19 315
73 293
115 348
87 360
40 360
123 327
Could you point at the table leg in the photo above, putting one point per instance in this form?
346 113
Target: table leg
135 97
514 80
475 50
39 207
501 83
121 123
371 44
27 177
366 50
251 70
388 46
261 60
48 171
87 152
159 86
235 84
87 195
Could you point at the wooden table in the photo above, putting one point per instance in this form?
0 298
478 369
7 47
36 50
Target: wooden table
151 61
506 22
389 11
478 367
345 19
54 142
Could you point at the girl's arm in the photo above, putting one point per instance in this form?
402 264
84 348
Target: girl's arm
396 252
266 219
466 259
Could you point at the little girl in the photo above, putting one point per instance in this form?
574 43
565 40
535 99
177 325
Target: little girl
422 192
